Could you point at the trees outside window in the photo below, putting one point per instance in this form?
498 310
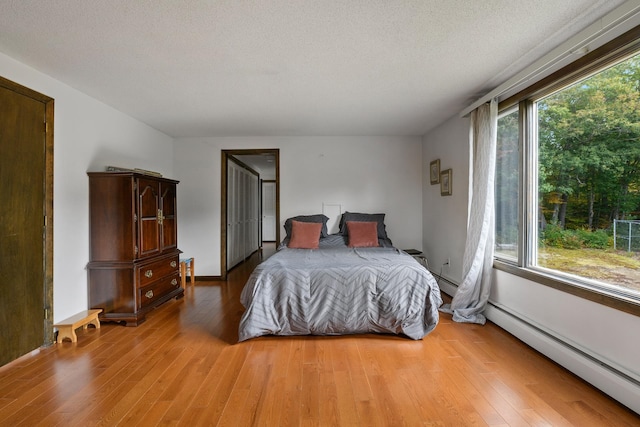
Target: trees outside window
589 149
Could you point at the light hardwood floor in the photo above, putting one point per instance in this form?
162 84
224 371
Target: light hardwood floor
183 366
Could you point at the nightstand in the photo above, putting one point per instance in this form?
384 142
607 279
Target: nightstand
419 256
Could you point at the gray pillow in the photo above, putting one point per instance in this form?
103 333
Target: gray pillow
308 218
364 217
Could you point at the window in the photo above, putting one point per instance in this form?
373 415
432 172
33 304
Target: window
507 185
589 175
568 210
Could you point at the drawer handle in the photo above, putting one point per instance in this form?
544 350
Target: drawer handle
174 282
173 264
149 294
148 273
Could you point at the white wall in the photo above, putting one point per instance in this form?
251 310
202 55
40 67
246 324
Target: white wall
574 332
444 218
364 174
88 136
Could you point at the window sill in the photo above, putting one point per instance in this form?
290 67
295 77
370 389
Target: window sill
608 298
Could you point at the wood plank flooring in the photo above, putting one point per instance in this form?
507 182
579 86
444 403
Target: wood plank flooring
184 367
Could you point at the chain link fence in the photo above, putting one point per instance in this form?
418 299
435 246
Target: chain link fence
626 235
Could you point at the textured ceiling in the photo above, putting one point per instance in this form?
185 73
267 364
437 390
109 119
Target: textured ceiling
306 67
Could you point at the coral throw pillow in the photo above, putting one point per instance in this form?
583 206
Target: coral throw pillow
362 234
305 235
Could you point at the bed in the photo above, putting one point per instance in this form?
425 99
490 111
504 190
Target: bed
339 287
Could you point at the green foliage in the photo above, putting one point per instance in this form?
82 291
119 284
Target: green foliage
589 149
570 240
598 239
554 236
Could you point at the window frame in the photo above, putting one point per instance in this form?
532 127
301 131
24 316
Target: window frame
610 53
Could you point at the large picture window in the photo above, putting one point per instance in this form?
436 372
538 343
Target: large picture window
580 172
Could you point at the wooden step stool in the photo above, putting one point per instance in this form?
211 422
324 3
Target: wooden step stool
67 328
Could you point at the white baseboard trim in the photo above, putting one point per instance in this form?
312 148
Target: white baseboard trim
611 381
446 285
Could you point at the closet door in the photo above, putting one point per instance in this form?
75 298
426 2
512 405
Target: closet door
233 222
242 213
244 208
246 219
255 231
268 211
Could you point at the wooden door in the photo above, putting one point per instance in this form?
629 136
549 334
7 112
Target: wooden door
26 324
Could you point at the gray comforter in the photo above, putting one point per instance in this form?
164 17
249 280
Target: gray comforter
337 290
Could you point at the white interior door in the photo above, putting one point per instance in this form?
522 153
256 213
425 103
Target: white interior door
232 214
268 211
242 214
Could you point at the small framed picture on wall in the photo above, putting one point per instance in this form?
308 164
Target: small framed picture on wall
434 171
445 182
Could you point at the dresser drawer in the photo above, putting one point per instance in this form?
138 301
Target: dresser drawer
149 273
148 294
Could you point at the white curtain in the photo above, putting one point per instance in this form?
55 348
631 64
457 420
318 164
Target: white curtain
472 295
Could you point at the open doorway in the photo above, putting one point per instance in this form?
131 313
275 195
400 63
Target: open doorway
238 168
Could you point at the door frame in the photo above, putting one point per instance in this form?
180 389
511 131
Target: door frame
225 158
47 266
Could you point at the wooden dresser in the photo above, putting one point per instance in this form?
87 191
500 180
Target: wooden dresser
133 247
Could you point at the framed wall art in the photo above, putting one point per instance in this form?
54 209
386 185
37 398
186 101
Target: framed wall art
434 172
445 182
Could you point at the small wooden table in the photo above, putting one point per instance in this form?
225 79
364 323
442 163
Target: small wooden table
67 328
187 264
